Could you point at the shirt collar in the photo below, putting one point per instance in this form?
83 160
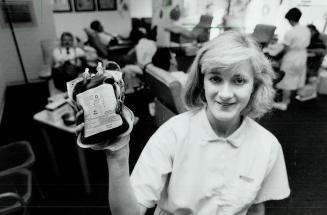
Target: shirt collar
208 134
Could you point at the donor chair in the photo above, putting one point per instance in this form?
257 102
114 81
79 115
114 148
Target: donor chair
15 177
167 91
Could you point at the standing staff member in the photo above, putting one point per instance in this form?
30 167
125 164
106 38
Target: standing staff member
294 62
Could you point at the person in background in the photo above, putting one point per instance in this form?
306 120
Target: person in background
139 57
294 61
316 52
68 61
315 41
137 32
105 37
215 158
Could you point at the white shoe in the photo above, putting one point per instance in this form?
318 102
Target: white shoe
152 109
303 99
280 105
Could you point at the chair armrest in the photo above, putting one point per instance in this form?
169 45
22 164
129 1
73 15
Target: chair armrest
14 196
14 156
45 72
166 88
16 190
17 200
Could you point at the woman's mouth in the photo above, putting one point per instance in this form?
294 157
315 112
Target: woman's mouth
226 104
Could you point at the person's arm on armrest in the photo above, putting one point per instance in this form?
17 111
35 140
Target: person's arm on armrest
257 209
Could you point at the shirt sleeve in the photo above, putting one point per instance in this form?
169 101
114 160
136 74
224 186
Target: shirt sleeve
105 39
55 54
57 57
79 52
275 185
153 167
288 38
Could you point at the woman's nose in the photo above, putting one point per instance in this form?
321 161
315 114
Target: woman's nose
226 91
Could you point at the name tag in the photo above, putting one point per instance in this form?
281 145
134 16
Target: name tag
247 179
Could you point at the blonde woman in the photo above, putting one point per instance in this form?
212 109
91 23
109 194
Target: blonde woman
213 159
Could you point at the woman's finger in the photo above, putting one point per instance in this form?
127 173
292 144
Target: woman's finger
72 104
128 115
79 117
79 128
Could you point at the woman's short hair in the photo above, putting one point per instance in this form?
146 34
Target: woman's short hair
226 51
294 14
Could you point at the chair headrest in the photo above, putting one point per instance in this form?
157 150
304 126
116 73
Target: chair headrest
263 33
205 21
95 42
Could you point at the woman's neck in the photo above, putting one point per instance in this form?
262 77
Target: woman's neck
225 128
293 23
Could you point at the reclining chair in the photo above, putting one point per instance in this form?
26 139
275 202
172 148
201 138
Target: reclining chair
263 34
167 91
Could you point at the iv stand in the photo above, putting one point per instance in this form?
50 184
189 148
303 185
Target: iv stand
6 10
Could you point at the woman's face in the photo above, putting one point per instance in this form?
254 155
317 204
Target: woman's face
228 93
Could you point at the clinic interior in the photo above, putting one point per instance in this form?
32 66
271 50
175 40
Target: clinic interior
54 175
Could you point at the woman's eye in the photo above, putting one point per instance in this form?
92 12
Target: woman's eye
239 81
215 79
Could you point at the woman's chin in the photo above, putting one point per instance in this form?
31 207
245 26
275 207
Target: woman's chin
226 116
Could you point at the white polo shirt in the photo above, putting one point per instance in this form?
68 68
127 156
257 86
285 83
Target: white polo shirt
185 168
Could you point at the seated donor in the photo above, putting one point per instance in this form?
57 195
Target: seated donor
138 57
137 32
105 37
68 61
215 158
316 52
294 61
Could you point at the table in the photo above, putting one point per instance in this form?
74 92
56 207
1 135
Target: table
44 120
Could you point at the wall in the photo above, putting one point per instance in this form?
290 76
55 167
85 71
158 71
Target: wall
263 11
29 39
74 22
315 14
141 8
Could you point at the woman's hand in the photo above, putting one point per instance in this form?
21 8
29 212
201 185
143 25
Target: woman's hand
112 143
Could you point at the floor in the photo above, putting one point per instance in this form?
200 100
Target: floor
302 131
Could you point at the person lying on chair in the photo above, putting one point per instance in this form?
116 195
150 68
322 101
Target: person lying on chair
106 38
